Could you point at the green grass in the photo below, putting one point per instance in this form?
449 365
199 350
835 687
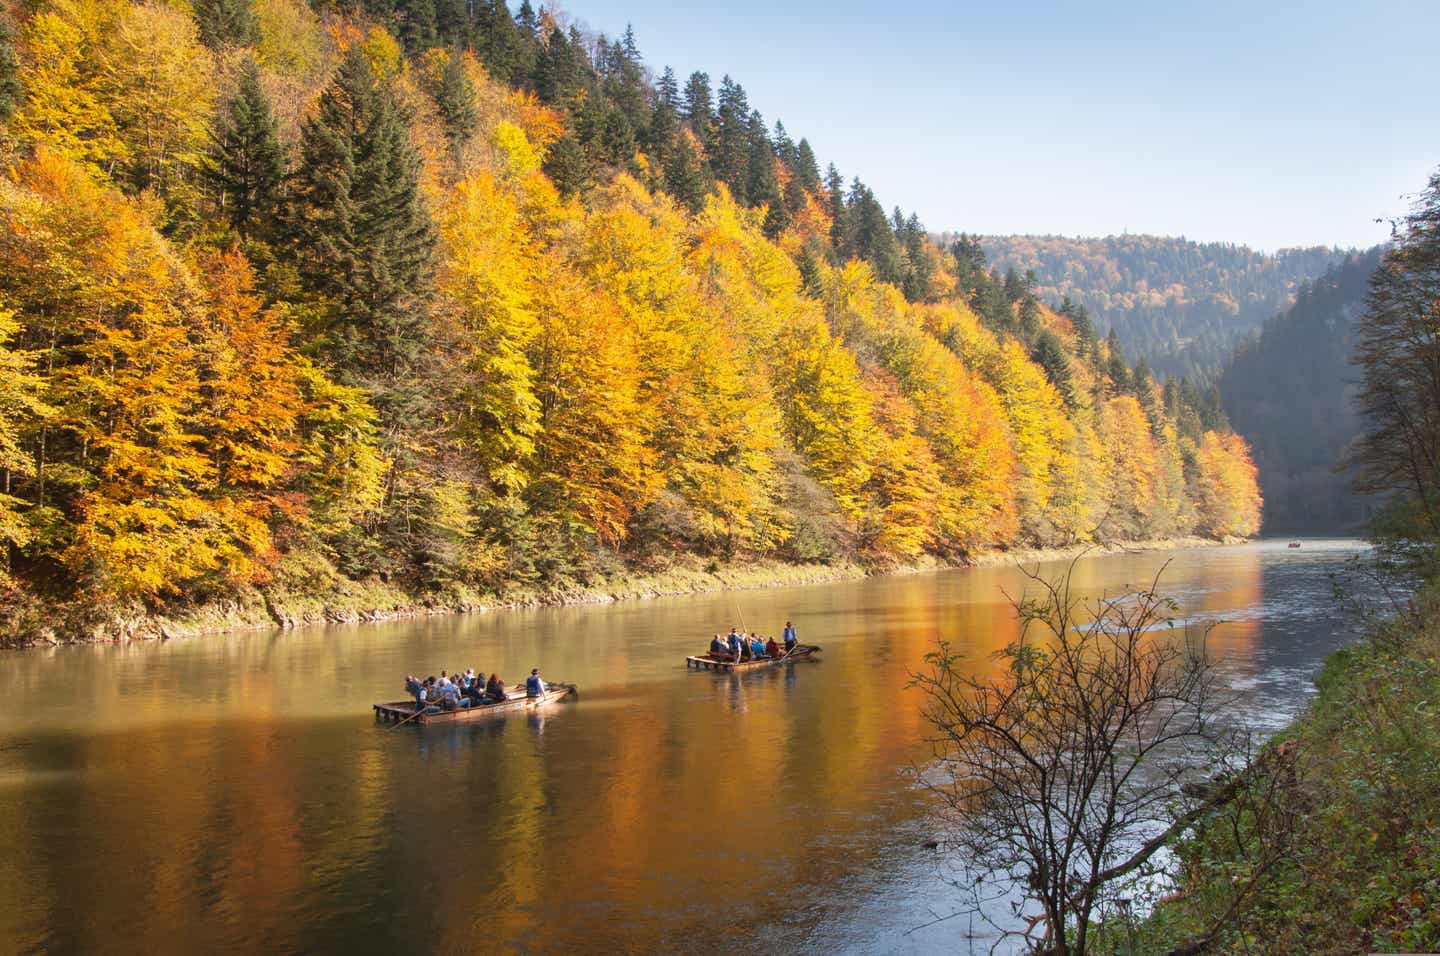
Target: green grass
1355 836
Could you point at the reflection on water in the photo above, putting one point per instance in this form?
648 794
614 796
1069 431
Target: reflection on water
233 793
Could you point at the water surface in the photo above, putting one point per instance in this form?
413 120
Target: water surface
233 793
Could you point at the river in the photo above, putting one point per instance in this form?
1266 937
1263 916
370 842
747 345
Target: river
233 793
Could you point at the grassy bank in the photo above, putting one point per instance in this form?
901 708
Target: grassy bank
1347 857
311 592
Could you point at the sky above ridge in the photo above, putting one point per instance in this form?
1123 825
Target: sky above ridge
1271 124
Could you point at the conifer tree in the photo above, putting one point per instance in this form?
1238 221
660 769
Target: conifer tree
567 166
419 26
730 151
503 49
794 196
528 21
1029 318
806 166
247 162
1050 355
227 23
1116 368
868 234
628 47
559 66
684 178
363 236
455 98
761 186
9 75
699 110
835 189
785 147
452 23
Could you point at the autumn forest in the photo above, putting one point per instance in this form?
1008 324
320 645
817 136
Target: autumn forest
422 292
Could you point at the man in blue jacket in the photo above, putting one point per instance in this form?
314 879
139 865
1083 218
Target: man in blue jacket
790 637
534 686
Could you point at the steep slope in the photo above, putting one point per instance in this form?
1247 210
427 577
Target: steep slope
1179 305
1287 390
300 294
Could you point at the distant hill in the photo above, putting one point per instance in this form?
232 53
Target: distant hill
1179 305
1287 390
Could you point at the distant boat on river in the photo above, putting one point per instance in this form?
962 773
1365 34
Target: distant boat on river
1294 544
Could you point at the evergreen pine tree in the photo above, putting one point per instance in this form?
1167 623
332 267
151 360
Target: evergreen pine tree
418 26
699 111
1116 368
247 162
226 23
919 271
794 196
870 237
1029 318
810 276
10 88
363 237
684 178
806 167
628 48
503 49
730 151
1014 285
667 90
969 258
993 304
528 21
1084 328
664 123
1050 355
559 67
567 166
785 147
761 185
835 189
452 23
455 98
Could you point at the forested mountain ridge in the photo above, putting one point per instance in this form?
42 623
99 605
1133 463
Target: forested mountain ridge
433 295
1289 390
1180 305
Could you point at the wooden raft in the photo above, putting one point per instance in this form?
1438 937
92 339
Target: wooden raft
397 711
706 662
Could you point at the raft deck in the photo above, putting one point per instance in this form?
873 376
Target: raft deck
404 710
706 662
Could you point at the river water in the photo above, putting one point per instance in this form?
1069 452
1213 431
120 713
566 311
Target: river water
233 793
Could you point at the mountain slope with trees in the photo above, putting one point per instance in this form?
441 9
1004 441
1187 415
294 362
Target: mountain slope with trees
1290 391
1180 306
459 302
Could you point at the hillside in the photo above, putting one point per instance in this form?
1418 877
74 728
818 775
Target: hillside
457 303
1288 391
1181 306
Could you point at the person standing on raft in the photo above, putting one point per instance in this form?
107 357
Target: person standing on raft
534 686
790 637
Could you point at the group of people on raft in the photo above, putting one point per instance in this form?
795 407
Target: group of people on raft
452 691
748 647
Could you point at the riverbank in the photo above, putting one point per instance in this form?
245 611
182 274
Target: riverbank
1345 857
309 593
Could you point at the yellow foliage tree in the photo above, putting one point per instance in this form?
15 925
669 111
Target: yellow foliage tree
1228 495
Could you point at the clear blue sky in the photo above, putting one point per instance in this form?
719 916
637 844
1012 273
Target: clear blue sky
1271 124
